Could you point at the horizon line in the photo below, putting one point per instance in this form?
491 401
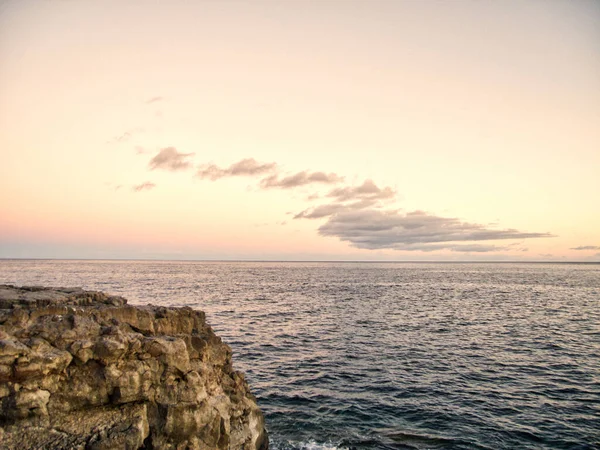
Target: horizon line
306 260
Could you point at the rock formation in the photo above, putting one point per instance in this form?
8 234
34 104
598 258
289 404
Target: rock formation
84 370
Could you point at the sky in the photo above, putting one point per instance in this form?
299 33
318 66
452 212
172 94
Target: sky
300 130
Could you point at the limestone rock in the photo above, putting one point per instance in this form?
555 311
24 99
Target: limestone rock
84 370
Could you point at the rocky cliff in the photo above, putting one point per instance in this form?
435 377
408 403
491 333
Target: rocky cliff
84 370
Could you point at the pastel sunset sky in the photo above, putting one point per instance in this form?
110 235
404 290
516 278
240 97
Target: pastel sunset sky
300 129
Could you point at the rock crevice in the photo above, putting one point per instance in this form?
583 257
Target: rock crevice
85 370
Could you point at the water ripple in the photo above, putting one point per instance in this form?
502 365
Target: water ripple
389 356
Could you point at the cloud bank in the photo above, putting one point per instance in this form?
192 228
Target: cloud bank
375 230
586 247
355 214
170 159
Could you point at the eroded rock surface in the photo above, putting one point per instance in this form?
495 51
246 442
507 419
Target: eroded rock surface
84 370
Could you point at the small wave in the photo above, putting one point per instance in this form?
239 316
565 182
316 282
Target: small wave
418 440
308 445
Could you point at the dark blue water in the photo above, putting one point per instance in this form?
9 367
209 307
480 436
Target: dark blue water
389 355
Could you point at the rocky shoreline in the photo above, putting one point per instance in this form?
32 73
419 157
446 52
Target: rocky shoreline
85 370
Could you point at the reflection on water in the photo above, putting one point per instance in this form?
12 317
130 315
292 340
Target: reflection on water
385 355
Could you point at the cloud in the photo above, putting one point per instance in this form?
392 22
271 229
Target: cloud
250 167
475 248
350 198
586 247
121 138
154 100
245 167
321 211
126 136
376 229
170 159
144 186
110 184
465 248
355 213
367 190
300 179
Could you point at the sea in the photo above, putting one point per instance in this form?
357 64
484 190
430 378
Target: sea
345 355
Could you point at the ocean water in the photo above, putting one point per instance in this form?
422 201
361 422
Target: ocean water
388 355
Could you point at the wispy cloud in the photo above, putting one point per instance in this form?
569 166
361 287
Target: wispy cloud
366 191
113 186
586 247
245 167
170 159
252 168
376 229
300 179
465 248
126 136
144 186
326 210
154 100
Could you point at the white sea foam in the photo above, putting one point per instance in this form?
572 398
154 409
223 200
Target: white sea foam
309 445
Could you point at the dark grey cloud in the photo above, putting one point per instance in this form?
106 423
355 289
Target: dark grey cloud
367 190
154 100
170 159
376 229
245 167
300 179
586 247
144 186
